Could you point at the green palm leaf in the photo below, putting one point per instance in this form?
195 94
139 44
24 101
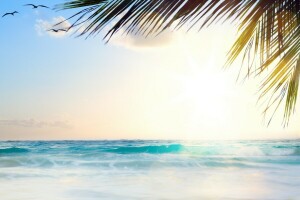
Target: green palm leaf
268 30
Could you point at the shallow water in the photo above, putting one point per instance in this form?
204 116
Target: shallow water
88 170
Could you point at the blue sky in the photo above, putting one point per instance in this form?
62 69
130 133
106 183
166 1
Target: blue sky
37 69
71 88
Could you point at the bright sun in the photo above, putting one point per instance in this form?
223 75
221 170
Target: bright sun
205 89
206 92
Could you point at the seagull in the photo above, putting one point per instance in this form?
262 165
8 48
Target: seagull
36 6
12 13
57 30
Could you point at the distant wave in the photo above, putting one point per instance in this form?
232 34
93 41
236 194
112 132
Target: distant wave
13 150
152 149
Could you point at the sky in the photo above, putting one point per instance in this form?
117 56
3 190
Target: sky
173 86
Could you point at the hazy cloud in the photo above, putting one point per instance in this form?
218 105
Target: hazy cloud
133 41
138 41
32 123
42 27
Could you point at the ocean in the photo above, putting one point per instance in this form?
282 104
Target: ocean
144 169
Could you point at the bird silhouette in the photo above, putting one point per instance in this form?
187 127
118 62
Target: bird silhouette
36 6
10 13
57 30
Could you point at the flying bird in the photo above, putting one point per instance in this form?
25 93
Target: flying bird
36 6
57 30
11 13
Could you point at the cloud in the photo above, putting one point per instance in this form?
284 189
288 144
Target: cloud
137 42
42 27
32 123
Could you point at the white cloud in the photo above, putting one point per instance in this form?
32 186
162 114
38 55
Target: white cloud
137 42
32 123
42 27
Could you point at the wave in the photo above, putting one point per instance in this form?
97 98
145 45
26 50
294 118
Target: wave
296 152
13 150
199 151
143 156
243 151
144 162
236 151
207 149
151 149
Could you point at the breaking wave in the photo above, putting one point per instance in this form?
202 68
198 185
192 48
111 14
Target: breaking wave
146 154
13 150
173 148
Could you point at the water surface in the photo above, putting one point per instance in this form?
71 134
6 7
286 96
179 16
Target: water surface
137 169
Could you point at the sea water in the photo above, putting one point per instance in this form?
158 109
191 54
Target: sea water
90 170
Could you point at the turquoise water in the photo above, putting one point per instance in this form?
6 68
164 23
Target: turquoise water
137 169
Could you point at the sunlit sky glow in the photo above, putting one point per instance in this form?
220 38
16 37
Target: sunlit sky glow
55 86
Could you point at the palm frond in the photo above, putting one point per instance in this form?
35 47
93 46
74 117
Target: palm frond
269 30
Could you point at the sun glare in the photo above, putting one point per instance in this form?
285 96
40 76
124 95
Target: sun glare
204 97
205 89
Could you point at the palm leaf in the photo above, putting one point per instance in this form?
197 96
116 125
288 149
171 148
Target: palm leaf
268 30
